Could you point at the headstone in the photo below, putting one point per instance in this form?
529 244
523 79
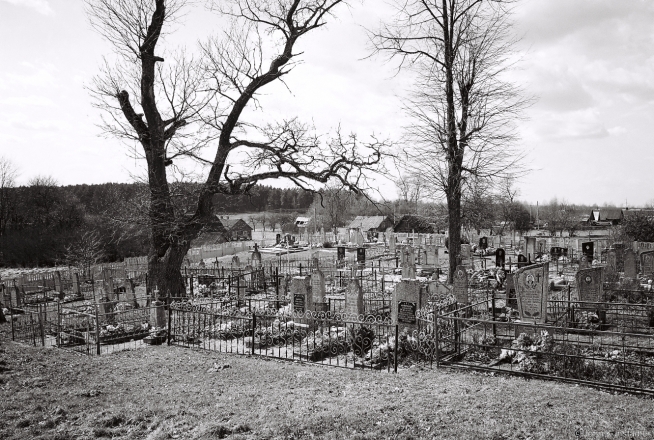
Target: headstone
256 256
358 237
590 285
647 264
323 235
76 287
391 243
630 264
611 273
460 285
588 249
108 285
431 255
465 252
406 302
583 262
58 286
278 238
301 295
483 243
16 296
106 310
340 253
318 286
361 255
531 288
522 261
408 263
619 255
354 298
158 315
500 256
235 260
530 248
130 295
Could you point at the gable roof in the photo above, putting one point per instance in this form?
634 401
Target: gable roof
606 215
366 223
230 223
213 232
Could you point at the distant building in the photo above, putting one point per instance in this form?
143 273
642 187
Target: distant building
370 226
605 217
302 222
237 229
417 224
213 232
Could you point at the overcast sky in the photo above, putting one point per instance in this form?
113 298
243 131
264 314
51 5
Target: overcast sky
590 63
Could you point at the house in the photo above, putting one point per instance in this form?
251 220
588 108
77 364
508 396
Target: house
417 224
302 222
370 226
605 217
213 232
237 229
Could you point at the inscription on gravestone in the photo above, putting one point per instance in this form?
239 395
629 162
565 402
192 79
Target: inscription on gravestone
406 312
302 294
354 298
460 285
590 284
299 303
531 289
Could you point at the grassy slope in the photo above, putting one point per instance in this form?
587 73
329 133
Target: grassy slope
162 393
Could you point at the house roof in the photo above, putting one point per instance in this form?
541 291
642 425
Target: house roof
213 232
605 215
230 223
417 223
366 223
302 221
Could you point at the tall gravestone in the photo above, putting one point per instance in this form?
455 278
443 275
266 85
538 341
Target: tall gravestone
358 238
301 294
340 253
465 252
256 256
590 285
511 299
588 250
408 263
460 286
405 304
391 243
630 264
76 287
108 286
532 283
611 274
361 255
619 256
354 299
530 248
500 256
318 286
647 264
431 255
522 261
483 243
235 260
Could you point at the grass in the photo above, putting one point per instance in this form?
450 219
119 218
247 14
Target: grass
167 393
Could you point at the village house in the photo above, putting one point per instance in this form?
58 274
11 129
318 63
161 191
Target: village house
415 224
237 229
370 226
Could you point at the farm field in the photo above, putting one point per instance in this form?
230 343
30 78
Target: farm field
176 393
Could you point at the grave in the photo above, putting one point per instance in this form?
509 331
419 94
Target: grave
408 263
431 255
354 299
391 243
465 252
236 260
483 243
647 264
460 286
301 294
511 299
340 253
611 274
530 248
358 238
130 294
590 286
361 255
522 261
619 254
532 283
630 264
318 286
158 315
406 302
588 249
108 286
500 256
58 285
256 256
77 291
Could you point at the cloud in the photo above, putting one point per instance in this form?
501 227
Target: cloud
40 6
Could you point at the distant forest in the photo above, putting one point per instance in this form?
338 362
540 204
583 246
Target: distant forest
44 224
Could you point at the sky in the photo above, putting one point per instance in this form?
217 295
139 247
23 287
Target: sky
589 63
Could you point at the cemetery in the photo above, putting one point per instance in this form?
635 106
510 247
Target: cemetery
570 314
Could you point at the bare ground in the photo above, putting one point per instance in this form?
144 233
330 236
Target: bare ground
169 393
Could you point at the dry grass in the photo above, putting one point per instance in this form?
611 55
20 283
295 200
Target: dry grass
167 393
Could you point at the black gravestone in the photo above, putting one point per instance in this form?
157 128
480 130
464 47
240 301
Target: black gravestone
588 249
406 312
483 243
299 304
278 238
361 255
522 260
340 253
500 255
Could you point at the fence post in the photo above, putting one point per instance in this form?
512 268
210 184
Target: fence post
170 312
254 326
11 318
41 325
58 323
397 335
436 337
97 331
32 328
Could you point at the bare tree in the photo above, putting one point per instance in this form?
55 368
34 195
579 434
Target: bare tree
462 109
8 173
85 252
154 106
